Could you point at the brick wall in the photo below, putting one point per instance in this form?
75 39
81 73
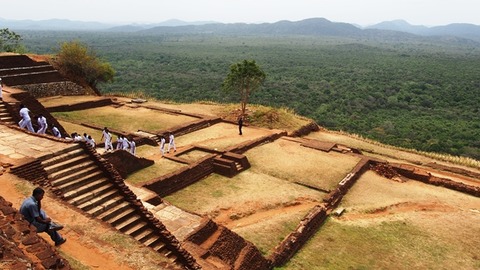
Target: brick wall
20 245
182 178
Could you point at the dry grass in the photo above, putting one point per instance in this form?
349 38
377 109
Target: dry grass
245 192
125 118
393 153
219 136
391 225
290 161
161 167
71 127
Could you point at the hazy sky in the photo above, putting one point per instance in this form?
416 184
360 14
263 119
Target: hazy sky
363 12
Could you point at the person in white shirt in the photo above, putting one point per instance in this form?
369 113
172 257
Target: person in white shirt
42 123
107 137
119 142
171 143
125 142
56 132
133 147
162 145
91 141
26 120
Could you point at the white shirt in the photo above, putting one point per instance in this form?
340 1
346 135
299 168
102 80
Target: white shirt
24 114
42 121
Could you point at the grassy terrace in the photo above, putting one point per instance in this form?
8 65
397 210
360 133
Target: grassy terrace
392 225
291 162
219 136
124 118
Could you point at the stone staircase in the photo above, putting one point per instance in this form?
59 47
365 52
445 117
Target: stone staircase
5 116
224 249
77 178
230 164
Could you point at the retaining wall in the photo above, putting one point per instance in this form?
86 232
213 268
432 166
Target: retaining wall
126 163
182 178
55 88
305 130
82 105
297 239
245 146
415 173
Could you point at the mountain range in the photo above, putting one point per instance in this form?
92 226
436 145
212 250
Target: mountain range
313 26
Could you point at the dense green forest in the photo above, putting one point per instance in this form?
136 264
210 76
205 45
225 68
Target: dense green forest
418 93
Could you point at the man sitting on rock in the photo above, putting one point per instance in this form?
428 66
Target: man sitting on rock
31 210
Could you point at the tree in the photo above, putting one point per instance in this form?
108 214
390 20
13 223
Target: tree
245 77
10 41
77 61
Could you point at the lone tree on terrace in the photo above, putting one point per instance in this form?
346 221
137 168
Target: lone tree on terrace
80 63
245 77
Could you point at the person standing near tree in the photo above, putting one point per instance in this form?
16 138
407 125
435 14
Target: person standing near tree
31 209
26 120
240 124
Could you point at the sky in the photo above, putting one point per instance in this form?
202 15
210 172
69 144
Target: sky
361 12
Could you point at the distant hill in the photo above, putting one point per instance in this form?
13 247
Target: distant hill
391 30
462 30
315 26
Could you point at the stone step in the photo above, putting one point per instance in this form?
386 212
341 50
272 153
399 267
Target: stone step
64 182
157 245
143 235
65 161
127 223
136 229
77 201
115 211
73 170
107 198
78 186
52 157
122 216
61 157
150 239
91 189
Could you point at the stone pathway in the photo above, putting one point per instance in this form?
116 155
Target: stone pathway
17 145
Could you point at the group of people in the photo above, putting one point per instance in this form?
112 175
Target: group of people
26 122
85 138
123 143
171 144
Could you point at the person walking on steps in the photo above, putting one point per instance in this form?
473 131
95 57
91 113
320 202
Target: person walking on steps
56 132
31 209
42 123
26 120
